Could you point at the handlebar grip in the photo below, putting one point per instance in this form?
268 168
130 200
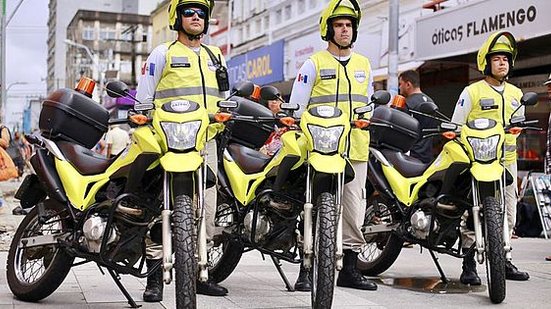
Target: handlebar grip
117 121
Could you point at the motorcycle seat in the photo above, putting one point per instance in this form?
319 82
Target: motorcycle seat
407 166
86 161
249 160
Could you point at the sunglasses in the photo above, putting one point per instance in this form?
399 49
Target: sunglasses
190 12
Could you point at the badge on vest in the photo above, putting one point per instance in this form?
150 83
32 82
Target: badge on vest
328 74
360 76
487 104
211 65
179 62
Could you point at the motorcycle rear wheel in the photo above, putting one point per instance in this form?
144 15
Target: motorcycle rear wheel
382 249
185 244
495 254
325 246
35 273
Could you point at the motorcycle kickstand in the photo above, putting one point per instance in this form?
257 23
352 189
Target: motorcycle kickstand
277 265
117 280
442 275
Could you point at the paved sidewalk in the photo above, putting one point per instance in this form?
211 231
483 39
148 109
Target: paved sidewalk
412 282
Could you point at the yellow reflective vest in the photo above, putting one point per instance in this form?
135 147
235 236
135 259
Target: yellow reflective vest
189 75
344 87
488 103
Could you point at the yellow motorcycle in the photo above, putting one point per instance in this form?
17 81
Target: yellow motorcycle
105 210
424 203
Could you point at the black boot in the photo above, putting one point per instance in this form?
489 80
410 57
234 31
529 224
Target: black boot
350 276
512 273
303 283
469 275
154 289
211 288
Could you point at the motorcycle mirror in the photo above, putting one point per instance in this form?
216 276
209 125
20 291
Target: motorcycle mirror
269 93
448 126
227 104
289 106
380 97
428 107
363 109
116 89
244 89
529 99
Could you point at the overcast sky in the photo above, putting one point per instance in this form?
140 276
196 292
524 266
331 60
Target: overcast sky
26 52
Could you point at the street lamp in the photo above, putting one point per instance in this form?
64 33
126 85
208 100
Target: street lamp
94 61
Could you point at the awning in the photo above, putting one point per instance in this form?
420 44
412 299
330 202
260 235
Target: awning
382 73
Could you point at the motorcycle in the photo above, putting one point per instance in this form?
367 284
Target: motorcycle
102 210
291 201
424 203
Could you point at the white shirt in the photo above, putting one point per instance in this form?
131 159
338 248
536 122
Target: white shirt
302 89
118 139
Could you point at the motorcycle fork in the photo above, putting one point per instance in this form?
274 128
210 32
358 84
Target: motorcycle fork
479 239
506 239
307 244
202 228
166 213
338 204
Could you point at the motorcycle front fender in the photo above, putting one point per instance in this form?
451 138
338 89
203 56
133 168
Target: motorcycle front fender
487 172
181 162
330 164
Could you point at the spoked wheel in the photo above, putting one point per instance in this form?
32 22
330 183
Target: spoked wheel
185 244
495 253
325 246
226 252
381 249
36 272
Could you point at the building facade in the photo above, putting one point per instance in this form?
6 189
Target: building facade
61 12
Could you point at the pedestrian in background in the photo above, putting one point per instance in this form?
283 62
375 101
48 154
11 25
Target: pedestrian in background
116 139
410 87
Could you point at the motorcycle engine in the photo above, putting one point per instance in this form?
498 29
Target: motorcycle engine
275 225
94 228
420 224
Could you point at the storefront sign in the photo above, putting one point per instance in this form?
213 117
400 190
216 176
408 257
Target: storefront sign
301 49
463 29
261 66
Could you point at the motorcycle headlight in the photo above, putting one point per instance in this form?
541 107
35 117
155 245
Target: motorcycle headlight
484 149
181 136
326 140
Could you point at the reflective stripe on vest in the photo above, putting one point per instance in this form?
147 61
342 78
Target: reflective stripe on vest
488 103
350 83
167 93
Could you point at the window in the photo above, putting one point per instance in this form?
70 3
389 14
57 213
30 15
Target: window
301 6
313 3
247 31
88 33
278 16
288 12
266 23
107 34
258 26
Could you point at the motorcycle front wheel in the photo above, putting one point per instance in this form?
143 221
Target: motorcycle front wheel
325 246
495 253
36 272
381 249
185 243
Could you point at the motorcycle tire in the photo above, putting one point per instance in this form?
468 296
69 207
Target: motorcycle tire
185 244
389 244
325 247
222 267
495 254
54 263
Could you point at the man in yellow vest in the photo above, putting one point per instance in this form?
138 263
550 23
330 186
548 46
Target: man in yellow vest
186 70
337 76
496 99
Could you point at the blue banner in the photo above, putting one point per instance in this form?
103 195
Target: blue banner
261 66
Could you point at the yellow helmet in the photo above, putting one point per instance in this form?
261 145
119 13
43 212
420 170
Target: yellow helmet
340 8
500 42
174 14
